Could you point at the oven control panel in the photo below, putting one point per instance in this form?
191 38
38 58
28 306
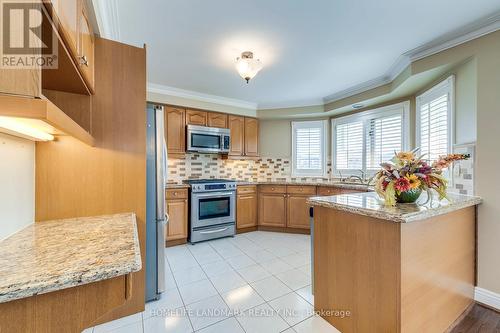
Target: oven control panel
213 187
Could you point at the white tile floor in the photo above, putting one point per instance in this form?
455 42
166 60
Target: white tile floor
255 282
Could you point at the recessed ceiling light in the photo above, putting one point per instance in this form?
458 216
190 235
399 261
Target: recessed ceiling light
247 66
357 106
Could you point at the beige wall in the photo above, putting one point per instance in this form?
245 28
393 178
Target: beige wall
17 179
276 138
466 102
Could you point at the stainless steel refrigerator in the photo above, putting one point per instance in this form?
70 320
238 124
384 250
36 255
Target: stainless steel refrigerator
156 216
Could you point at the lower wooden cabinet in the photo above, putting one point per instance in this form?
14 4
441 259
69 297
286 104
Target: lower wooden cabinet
246 207
177 209
272 209
297 212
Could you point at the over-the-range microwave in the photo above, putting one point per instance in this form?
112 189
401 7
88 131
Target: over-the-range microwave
208 139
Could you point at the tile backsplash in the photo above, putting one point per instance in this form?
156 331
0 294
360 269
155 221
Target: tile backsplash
463 171
196 166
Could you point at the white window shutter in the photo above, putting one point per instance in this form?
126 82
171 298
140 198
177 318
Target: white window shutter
384 137
434 110
349 145
309 148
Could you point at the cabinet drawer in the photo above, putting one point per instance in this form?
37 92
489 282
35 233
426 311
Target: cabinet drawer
242 189
329 190
300 189
272 188
177 193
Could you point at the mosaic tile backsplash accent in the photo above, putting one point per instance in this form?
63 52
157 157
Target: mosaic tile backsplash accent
463 171
196 166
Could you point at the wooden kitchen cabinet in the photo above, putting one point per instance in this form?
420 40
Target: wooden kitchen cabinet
285 206
237 128
175 130
272 206
196 117
177 209
67 14
86 46
251 137
246 207
215 119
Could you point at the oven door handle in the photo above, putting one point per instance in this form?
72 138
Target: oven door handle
214 231
213 194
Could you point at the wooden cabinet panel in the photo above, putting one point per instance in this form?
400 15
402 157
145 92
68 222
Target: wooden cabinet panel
85 46
178 219
176 193
272 210
328 190
237 127
272 189
175 130
301 189
243 189
251 137
215 119
297 212
67 12
246 210
196 117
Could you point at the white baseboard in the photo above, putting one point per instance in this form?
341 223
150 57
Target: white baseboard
487 297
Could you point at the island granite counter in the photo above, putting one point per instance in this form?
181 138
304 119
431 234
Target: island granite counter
73 261
408 268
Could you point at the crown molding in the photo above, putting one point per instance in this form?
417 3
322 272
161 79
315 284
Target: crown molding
465 34
108 20
296 104
176 92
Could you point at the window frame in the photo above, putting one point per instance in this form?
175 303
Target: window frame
323 124
448 86
402 108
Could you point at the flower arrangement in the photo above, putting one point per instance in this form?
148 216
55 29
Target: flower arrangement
405 177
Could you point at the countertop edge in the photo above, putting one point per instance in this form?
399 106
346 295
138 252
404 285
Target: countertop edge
17 292
410 217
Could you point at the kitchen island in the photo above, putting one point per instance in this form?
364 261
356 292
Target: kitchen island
408 268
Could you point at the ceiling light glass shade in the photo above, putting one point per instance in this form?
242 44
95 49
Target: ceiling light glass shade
247 66
19 127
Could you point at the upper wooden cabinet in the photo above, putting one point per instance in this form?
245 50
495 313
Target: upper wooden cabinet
73 25
251 137
85 53
175 130
66 13
217 120
237 128
196 117
244 136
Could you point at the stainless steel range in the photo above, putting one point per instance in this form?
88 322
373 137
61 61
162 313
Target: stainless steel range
213 209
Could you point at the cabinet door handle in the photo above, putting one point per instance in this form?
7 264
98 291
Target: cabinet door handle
84 61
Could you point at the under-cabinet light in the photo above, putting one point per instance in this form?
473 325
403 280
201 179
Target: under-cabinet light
17 127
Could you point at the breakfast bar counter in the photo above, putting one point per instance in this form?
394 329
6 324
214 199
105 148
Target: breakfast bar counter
407 268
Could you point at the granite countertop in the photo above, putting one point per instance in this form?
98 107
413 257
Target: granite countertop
347 186
54 255
369 204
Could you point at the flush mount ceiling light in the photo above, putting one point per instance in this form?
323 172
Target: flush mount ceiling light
247 66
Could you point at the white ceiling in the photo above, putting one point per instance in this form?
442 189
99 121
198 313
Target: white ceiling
309 49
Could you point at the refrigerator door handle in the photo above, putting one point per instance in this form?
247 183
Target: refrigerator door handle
160 196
